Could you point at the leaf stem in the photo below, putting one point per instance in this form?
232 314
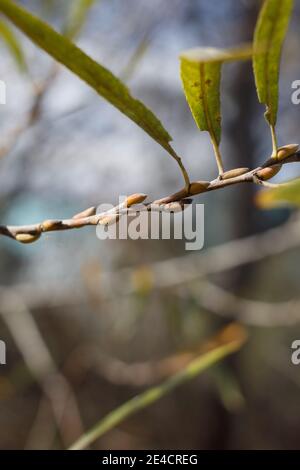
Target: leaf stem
274 141
31 233
181 166
217 154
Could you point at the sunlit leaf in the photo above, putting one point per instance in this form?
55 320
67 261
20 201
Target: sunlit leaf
269 35
98 77
11 40
227 342
201 76
285 195
201 82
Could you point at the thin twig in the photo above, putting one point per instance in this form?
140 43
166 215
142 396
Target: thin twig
39 361
247 311
183 270
31 233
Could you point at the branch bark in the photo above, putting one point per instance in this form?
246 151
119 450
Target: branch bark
171 203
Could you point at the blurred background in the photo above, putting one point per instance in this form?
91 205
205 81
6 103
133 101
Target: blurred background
99 316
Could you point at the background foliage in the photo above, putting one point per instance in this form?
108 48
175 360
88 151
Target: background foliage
83 342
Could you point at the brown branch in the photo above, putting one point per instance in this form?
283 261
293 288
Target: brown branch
249 312
31 233
54 385
186 270
171 203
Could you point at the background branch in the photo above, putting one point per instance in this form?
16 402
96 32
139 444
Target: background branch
185 270
40 363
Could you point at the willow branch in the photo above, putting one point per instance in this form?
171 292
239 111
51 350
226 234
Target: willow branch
171 203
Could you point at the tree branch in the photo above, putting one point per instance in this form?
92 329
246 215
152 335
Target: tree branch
171 203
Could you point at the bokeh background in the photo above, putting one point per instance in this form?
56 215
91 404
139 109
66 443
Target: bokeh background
90 310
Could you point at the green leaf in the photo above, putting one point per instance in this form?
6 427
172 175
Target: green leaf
228 341
77 17
286 195
269 35
201 75
13 44
98 77
201 83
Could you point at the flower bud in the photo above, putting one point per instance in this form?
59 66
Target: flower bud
27 238
87 213
233 173
50 225
286 151
198 187
267 173
135 199
109 219
176 206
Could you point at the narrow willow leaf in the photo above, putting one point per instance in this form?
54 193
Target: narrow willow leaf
98 77
285 195
227 342
269 35
13 44
201 76
201 83
77 16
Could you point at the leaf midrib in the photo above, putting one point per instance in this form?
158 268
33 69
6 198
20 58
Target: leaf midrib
207 114
267 57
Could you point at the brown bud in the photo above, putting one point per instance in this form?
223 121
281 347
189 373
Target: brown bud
176 206
198 187
268 172
109 219
173 197
27 237
233 173
286 151
135 199
49 225
87 213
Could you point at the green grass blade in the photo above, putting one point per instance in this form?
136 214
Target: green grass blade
233 338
